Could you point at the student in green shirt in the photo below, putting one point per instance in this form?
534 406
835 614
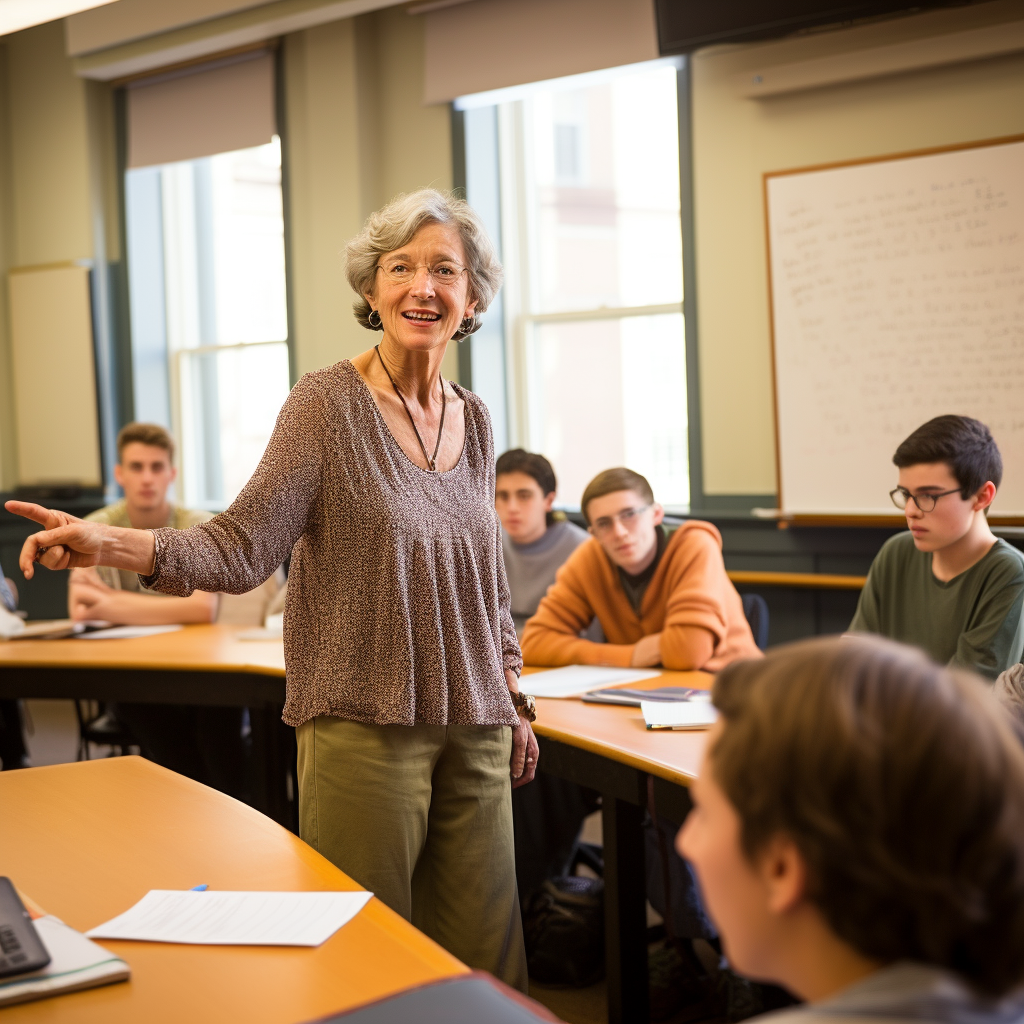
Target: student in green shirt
948 585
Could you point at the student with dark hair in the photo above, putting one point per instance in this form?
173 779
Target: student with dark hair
858 833
660 600
534 540
948 585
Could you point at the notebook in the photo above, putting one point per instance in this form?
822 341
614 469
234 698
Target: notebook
681 714
633 698
75 963
468 999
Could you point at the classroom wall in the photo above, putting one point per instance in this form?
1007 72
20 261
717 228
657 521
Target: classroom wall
46 182
735 140
357 136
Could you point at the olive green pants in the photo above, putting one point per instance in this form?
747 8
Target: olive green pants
422 817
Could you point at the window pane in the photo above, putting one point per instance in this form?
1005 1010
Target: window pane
602 193
229 403
248 234
605 393
206 269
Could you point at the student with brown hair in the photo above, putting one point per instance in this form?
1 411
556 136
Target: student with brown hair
948 585
858 833
660 600
145 471
204 743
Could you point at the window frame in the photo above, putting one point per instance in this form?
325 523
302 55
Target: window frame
118 408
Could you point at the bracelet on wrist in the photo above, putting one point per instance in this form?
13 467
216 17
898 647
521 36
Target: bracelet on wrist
524 704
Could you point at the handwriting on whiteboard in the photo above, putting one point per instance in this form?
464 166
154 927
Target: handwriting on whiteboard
897 294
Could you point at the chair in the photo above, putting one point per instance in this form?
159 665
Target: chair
98 724
755 608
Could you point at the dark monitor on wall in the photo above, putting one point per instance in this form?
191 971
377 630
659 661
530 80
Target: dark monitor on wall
687 25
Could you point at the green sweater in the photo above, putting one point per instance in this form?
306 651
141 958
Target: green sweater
972 621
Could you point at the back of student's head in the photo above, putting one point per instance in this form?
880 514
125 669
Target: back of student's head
612 480
518 460
902 785
965 445
151 434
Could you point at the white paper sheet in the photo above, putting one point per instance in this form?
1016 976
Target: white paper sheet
573 680
683 714
235 918
127 632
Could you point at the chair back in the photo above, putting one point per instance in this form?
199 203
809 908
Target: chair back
755 608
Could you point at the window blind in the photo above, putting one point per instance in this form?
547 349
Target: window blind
493 44
193 112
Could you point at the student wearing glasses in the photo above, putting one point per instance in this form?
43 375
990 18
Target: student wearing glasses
660 599
948 585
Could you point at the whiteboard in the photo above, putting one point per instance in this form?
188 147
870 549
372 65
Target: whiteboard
897 290
54 375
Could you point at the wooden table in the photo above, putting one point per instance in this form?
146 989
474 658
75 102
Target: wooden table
604 747
196 665
87 840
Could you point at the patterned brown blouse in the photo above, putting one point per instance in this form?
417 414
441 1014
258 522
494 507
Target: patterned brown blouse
398 607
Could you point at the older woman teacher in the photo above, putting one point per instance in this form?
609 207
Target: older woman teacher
402 660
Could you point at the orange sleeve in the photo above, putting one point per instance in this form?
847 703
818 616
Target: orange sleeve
551 637
696 607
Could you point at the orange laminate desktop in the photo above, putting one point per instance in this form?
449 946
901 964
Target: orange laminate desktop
86 841
614 732
619 733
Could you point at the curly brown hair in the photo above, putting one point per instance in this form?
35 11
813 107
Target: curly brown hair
902 785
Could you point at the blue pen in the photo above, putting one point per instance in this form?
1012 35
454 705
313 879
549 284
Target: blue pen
199 888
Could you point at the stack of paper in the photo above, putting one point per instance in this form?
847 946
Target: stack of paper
679 714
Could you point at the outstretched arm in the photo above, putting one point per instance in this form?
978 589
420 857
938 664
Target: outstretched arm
66 542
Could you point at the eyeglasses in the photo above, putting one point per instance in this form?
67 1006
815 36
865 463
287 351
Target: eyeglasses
628 517
901 497
444 274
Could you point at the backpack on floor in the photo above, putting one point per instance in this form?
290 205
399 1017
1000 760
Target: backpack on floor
563 924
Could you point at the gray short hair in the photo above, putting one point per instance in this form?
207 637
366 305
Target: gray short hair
393 225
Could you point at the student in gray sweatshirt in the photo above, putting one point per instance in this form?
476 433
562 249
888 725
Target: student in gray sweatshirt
534 539
547 814
858 833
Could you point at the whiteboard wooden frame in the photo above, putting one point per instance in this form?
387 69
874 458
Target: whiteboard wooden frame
852 519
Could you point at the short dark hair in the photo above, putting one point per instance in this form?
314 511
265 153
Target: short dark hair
518 460
145 433
901 783
965 445
612 480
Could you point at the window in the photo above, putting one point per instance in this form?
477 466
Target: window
590 226
208 311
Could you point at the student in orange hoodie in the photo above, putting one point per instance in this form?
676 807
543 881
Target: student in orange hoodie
660 599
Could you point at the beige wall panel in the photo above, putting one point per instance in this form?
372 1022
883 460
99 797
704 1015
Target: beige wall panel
736 140
50 150
8 448
54 376
324 192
